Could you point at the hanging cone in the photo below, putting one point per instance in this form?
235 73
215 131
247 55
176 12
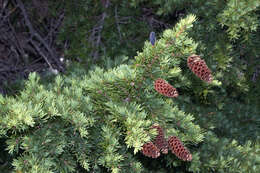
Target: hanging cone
164 88
178 149
150 150
199 68
160 141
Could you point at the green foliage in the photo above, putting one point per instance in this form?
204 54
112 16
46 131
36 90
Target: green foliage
239 17
46 126
225 155
164 7
91 121
98 120
92 29
233 54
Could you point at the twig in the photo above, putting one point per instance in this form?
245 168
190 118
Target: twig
34 33
149 17
124 20
117 23
18 45
55 27
41 53
97 31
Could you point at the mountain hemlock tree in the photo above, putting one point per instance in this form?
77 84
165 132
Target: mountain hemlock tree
108 120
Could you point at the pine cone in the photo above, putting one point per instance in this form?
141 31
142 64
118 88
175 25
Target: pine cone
160 141
164 88
199 68
150 150
178 149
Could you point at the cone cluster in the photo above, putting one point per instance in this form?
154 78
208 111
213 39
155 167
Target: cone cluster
164 88
177 148
159 144
199 68
150 150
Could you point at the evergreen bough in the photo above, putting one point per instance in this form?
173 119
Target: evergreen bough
100 121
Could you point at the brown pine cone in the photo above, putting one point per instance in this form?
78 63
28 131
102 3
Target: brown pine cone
178 149
159 141
164 88
150 150
199 68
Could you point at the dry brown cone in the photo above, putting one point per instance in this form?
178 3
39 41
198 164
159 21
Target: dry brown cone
160 141
199 68
164 88
150 150
178 149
